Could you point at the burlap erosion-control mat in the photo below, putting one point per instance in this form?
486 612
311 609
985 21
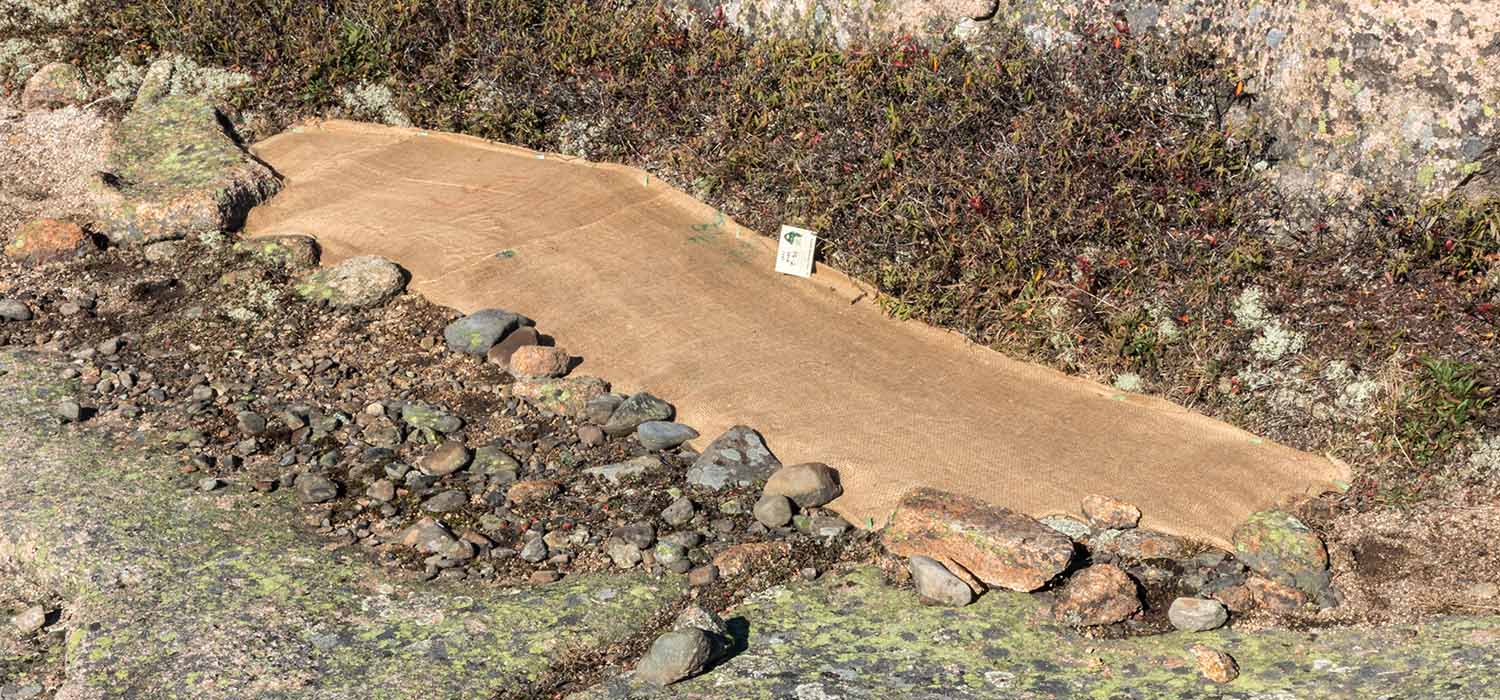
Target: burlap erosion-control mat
659 292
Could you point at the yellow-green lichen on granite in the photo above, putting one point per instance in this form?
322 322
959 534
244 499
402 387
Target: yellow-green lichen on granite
854 636
174 170
178 594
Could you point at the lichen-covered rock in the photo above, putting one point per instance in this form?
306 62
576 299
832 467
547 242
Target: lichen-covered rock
738 457
1278 546
564 397
1139 544
47 240
179 75
174 171
1098 595
363 282
1000 547
634 411
290 250
476 333
55 85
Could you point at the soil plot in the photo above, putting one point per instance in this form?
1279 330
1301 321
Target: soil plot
658 291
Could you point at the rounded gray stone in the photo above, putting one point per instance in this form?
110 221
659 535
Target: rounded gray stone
476 333
449 457
663 435
362 282
30 620
675 656
679 512
12 310
634 411
312 488
773 510
446 501
1197 614
936 584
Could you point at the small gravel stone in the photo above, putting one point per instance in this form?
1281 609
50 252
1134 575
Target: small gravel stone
738 457
1197 614
251 423
642 535
826 526
209 484
30 620
935 584
1074 528
428 536
1098 595
500 354
363 282
702 576
1215 665
773 510
312 488
613 473
424 417
545 576
697 617
449 457
446 502
68 411
529 491
663 435
590 436
680 512
600 408
383 490
534 550
12 310
672 556
624 554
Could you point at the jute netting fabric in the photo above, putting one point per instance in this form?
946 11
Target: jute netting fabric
658 291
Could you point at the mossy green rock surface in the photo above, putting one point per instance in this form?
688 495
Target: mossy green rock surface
854 637
175 171
174 593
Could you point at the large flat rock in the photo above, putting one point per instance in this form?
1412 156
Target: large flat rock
181 594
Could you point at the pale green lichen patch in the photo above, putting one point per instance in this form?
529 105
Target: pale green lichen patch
177 594
854 636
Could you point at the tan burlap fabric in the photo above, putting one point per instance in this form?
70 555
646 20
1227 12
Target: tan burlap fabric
657 291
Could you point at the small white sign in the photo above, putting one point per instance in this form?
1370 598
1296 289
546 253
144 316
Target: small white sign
794 253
